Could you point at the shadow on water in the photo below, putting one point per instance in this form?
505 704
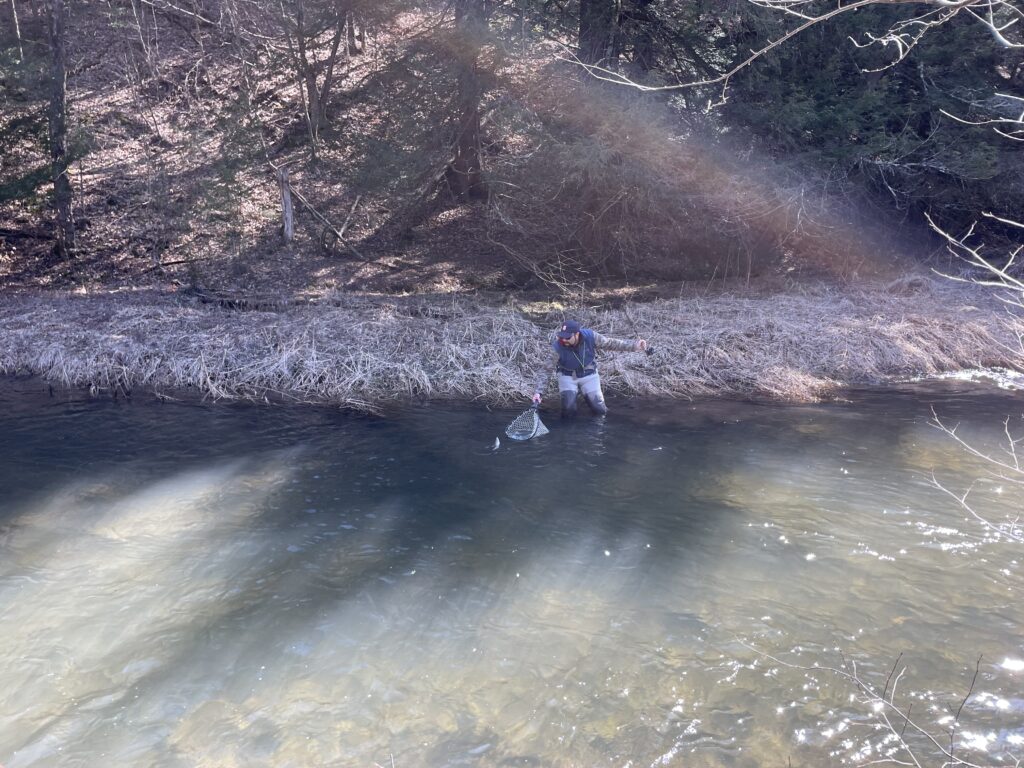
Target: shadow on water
411 486
241 534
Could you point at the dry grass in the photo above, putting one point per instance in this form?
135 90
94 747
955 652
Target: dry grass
363 353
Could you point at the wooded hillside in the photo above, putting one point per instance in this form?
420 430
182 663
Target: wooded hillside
436 146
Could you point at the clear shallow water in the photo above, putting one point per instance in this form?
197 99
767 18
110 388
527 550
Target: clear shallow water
219 585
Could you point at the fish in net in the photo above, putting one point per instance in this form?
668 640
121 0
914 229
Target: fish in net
526 425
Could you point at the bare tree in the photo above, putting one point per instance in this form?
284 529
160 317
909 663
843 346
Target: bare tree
306 36
356 34
465 173
996 272
17 29
58 120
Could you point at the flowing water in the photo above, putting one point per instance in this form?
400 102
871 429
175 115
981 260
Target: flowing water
698 584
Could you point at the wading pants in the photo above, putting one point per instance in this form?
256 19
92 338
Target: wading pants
590 386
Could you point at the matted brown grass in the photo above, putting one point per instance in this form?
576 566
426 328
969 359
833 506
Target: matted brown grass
363 352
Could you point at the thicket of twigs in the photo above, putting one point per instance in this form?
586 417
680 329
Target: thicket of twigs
590 182
364 354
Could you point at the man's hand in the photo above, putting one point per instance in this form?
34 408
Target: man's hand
536 398
641 345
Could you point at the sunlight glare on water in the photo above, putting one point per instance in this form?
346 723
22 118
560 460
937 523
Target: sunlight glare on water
218 585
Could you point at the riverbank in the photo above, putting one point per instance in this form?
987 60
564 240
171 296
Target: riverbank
364 352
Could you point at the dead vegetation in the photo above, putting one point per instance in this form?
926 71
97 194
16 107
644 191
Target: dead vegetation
593 184
364 353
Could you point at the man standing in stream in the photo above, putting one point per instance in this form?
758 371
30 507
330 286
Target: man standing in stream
575 351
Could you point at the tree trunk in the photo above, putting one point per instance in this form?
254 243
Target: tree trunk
65 227
332 60
307 80
642 34
465 174
286 204
316 95
17 30
599 20
356 38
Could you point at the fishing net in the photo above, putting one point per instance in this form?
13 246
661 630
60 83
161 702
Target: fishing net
526 425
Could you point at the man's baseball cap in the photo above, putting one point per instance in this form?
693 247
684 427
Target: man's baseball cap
569 327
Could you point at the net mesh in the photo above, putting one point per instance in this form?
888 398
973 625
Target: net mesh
526 425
